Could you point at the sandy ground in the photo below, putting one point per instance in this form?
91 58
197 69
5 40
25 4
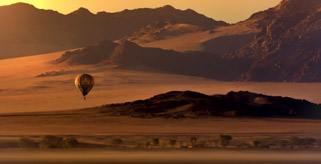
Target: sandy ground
167 157
93 128
22 91
79 123
99 128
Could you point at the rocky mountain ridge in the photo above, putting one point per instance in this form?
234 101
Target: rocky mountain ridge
27 30
288 47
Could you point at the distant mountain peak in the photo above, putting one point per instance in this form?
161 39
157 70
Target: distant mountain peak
20 6
168 7
179 95
81 11
80 28
126 43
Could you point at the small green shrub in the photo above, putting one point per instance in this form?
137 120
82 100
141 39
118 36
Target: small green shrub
139 145
243 145
256 144
71 143
116 141
147 144
295 141
283 144
215 142
307 142
155 142
172 142
52 142
302 142
193 140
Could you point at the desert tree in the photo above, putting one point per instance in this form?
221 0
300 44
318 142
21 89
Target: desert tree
52 142
193 141
147 144
295 141
225 140
172 142
116 141
139 145
283 144
155 142
215 142
319 144
202 144
71 143
307 142
27 143
256 143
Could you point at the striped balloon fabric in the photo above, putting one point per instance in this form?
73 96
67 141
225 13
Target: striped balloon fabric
84 83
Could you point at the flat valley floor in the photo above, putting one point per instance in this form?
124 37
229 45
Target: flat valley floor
30 84
98 129
158 157
34 84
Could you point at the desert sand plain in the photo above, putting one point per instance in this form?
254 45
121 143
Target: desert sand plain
97 130
157 157
35 103
22 91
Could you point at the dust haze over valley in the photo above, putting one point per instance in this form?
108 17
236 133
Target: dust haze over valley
162 73
190 54
53 85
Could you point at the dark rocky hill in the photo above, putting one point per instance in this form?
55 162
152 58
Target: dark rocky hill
177 104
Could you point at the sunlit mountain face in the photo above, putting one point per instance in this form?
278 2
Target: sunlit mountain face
288 46
165 85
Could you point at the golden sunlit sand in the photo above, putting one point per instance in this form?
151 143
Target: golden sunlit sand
193 41
22 91
157 157
44 118
98 129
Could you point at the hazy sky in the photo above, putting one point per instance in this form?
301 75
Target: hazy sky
228 10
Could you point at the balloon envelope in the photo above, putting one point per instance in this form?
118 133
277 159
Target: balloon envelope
84 83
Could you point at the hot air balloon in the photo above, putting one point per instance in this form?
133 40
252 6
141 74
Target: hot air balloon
84 83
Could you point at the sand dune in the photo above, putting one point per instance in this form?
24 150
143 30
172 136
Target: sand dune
194 41
22 91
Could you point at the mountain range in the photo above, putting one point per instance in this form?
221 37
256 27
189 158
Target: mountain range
27 30
278 44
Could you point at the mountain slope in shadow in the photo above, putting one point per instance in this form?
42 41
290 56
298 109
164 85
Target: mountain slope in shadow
129 55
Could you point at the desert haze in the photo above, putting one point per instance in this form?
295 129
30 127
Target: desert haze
170 86
40 85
